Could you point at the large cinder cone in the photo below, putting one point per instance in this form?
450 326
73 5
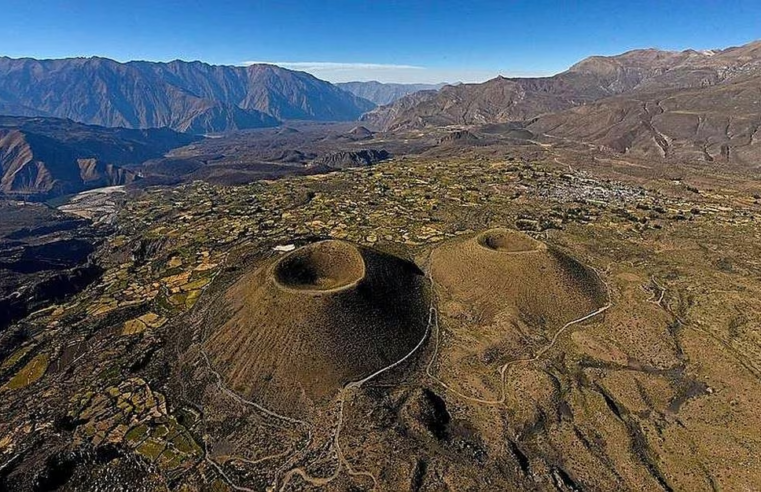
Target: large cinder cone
297 329
508 273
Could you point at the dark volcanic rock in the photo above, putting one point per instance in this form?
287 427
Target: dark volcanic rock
45 256
343 159
459 136
360 133
425 413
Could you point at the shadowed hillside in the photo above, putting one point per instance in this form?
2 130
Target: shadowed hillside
296 330
45 157
186 96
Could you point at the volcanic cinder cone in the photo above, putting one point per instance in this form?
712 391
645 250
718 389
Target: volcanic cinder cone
507 272
299 328
503 296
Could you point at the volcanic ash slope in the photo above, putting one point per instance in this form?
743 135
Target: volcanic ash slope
503 295
299 328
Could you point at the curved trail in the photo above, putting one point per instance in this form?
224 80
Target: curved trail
281 484
662 290
284 454
222 472
237 397
738 356
357 384
503 369
342 462
433 319
262 409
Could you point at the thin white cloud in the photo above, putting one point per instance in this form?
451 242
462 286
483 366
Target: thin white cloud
336 66
347 72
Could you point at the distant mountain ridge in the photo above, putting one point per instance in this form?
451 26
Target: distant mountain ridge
47 157
503 100
398 114
190 97
715 123
383 93
702 106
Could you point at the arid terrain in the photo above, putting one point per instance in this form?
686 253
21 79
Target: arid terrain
560 296
576 330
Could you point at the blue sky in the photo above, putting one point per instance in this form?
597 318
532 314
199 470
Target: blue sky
404 41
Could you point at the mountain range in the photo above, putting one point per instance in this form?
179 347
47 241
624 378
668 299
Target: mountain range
382 93
696 105
45 157
688 103
718 123
190 97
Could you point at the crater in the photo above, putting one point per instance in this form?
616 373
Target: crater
322 267
293 330
505 276
497 286
507 241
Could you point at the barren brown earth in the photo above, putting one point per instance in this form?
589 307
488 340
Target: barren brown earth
325 315
610 344
635 72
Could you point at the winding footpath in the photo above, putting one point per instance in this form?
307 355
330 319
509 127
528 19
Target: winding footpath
280 484
503 369
345 392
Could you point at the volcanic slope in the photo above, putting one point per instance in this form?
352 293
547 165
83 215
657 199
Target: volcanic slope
500 292
301 327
